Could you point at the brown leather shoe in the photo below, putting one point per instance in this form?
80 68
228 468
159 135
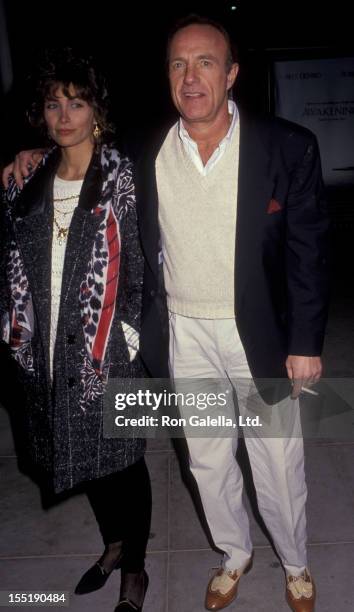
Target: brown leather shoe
222 588
301 592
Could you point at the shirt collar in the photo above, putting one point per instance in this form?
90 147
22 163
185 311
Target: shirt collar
232 108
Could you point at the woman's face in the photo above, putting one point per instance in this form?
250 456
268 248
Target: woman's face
70 120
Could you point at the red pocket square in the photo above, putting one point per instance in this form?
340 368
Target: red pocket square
273 206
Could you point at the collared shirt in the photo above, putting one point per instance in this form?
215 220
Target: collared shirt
191 146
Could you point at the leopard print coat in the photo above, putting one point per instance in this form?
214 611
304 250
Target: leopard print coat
102 272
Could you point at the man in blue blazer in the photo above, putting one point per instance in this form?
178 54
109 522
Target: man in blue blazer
234 231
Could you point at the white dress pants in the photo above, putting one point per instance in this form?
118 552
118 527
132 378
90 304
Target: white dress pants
212 349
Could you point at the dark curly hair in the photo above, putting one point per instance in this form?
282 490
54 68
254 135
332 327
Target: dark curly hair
66 67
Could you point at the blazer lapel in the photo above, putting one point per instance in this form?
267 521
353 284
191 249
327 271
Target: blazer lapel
255 186
147 201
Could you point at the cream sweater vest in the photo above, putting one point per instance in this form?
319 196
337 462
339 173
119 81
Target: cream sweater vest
197 217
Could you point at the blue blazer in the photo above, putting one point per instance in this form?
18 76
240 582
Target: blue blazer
281 249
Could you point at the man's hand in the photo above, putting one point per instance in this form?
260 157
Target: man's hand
24 163
303 371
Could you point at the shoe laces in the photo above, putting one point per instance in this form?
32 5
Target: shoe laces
224 580
301 586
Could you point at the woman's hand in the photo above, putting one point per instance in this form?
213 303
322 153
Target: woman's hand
24 163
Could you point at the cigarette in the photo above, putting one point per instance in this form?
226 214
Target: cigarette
310 391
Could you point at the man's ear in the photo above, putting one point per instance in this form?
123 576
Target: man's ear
232 75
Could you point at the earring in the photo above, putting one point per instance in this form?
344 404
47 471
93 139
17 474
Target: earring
97 131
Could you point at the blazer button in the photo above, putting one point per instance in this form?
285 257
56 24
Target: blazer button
71 338
71 382
152 292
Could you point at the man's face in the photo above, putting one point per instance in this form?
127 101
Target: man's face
199 80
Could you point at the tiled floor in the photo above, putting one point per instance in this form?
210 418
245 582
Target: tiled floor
49 549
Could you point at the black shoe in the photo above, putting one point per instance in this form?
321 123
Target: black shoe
127 603
95 577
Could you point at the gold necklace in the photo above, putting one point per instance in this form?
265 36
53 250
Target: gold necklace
62 232
63 212
65 199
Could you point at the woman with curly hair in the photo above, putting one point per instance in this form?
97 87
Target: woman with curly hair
70 312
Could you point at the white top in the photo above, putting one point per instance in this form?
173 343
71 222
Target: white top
197 218
65 199
191 146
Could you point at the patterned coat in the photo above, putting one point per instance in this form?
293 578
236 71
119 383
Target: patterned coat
64 417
